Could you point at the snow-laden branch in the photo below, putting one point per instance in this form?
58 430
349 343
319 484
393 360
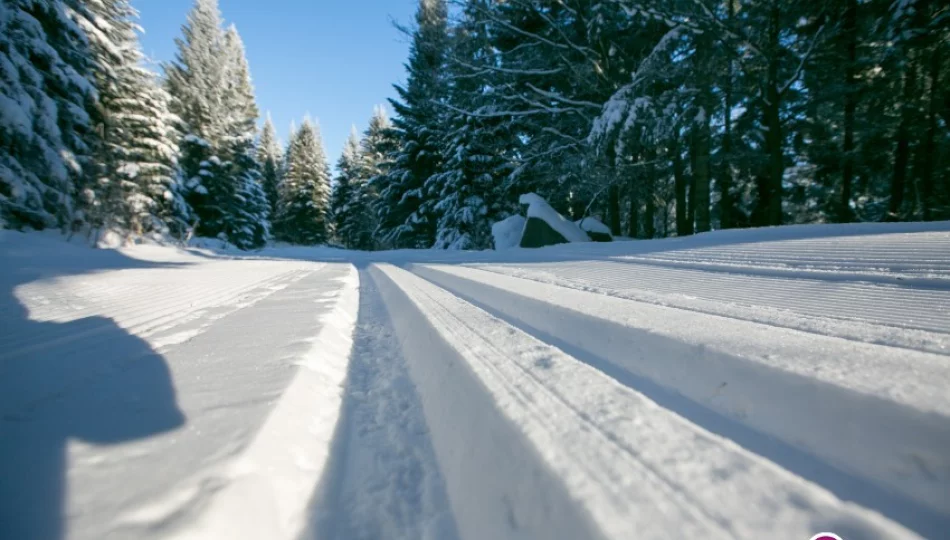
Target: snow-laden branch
541 106
558 97
801 64
505 114
586 52
624 103
559 133
508 71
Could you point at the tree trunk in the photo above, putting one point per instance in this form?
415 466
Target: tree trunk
850 31
773 121
613 208
726 206
649 197
902 150
691 186
930 145
699 194
683 227
577 207
633 228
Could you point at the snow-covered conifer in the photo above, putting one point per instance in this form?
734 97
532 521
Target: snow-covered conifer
304 192
404 207
137 187
213 95
248 220
196 80
376 144
349 168
270 156
475 151
46 100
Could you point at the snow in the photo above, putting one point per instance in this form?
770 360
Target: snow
269 484
507 232
539 208
593 225
772 382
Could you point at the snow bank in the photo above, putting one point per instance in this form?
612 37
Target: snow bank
593 225
507 232
539 208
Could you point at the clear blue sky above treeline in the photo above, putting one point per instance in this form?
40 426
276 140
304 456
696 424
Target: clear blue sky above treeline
332 59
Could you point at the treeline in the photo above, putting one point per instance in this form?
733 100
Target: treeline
92 140
670 116
664 117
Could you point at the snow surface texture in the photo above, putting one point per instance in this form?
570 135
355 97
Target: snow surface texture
539 208
507 232
738 384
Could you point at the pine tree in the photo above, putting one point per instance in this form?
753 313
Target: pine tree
249 225
137 190
349 168
475 153
405 207
303 207
270 157
197 78
213 95
377 143
197 81
46 113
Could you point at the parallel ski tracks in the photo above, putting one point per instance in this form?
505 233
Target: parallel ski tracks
615 434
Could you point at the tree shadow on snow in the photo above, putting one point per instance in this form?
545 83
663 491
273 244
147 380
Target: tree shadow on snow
87 380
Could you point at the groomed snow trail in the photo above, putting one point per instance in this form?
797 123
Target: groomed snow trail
136 393
739 384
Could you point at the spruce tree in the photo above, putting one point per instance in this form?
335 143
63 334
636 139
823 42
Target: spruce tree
270 156
47 113
137 187
376 144
304 193
405 206
213 95
197 82
475 153
248 219
349 168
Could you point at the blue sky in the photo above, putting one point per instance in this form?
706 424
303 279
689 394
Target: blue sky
332 59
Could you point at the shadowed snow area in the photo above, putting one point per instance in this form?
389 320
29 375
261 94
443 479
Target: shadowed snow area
737 384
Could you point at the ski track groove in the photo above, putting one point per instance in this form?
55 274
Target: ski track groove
668 488
383 480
